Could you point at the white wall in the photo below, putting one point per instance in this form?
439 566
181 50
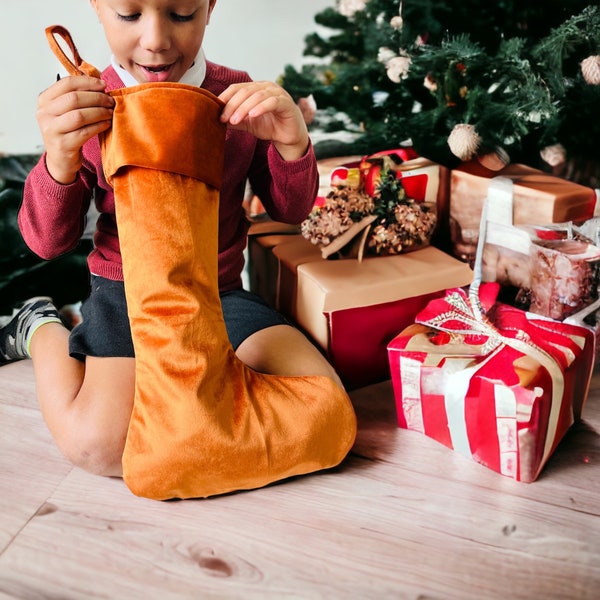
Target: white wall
261 37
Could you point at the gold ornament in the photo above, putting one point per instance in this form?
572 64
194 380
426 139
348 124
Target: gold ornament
590 69
464 141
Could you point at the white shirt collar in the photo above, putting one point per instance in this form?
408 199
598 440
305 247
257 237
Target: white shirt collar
194 75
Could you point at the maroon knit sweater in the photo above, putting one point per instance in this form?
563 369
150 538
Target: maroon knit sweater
52 216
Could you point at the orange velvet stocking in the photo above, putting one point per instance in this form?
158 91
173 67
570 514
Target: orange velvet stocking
203 423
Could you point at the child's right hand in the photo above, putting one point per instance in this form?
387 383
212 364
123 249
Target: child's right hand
69 113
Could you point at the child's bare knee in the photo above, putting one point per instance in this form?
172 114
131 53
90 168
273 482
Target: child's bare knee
97 452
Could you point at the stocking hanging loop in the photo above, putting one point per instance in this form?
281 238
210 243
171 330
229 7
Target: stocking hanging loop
75 66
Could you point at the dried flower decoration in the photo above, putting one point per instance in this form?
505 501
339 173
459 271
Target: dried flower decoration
397 223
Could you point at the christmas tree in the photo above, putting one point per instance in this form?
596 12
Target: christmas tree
500 82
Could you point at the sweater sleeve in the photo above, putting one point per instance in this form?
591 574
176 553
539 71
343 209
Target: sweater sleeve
287 189
52 215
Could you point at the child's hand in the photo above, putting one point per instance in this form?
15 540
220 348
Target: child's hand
267 111
69 113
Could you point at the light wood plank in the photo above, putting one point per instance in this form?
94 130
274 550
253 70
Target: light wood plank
403 517
570 479
30 465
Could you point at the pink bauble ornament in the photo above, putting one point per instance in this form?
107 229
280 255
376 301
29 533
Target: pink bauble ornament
308 108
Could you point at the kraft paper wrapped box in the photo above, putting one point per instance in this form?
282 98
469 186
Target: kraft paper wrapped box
297 251
263 267
553 267
352 308
425 180
539 198
503 391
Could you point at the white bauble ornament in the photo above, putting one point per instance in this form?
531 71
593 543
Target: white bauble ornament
554 155
590 69
464 141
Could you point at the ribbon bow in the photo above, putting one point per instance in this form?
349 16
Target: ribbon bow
464 314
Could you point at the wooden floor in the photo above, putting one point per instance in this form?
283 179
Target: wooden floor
403 517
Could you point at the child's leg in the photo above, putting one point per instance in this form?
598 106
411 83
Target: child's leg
284 350
86 406
267 342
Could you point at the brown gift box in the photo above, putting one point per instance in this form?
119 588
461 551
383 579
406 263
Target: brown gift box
297 250
538 198
263 267
353 309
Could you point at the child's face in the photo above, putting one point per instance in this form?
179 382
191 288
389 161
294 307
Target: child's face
155 40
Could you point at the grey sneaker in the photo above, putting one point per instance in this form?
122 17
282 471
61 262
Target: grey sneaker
26 318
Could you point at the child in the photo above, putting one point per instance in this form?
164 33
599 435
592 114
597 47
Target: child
85 378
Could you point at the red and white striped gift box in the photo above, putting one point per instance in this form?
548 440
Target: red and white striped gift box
502 389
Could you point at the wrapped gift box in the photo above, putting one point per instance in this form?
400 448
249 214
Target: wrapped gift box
420 177
296 251
423 180
553 269
539 198
262 266
328 166
353 309
553 277
503 393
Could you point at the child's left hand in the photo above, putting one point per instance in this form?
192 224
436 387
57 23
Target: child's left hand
267 111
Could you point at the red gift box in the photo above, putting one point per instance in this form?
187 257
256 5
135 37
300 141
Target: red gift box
420 176
502 390
352 309
355 171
